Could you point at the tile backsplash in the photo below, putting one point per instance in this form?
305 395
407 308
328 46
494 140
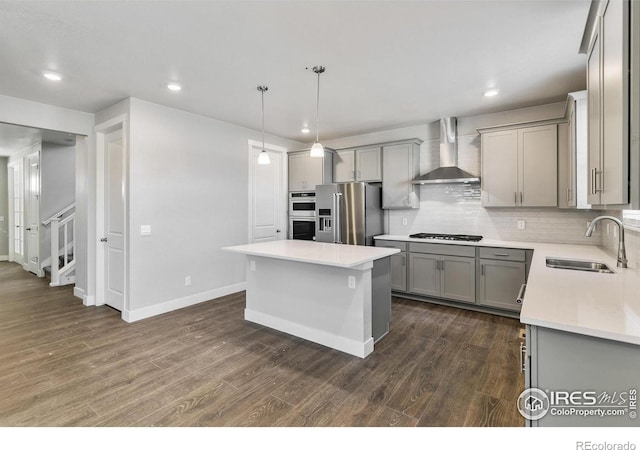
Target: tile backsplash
457 208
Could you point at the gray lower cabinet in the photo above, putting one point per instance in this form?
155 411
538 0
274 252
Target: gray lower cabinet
444 276
399 272
398 264
590 368
502 274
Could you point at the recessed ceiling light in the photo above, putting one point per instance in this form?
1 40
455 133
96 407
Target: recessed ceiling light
52 76
305 129
491 93
174 87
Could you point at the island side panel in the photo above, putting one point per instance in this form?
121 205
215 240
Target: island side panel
381 298
312 301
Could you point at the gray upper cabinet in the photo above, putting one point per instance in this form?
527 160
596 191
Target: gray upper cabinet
360 164
608 79
572 154
400 165
519 167
306 172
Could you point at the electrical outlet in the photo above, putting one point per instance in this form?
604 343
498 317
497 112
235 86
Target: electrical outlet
404 221
187 281
145 230
352 282
521 224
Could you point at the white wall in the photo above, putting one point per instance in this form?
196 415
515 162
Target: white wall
57 188
188 179
39 115
458 208
4 209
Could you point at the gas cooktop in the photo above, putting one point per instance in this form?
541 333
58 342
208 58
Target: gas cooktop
447 237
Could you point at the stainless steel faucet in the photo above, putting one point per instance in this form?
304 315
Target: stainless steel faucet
622 253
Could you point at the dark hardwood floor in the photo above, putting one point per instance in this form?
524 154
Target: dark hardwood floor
63 364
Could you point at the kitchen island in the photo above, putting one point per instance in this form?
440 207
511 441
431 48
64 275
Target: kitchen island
333 294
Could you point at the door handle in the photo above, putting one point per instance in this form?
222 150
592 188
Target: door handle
104 239
28 229
278 231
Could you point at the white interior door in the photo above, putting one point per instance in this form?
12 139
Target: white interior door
32 213
114 225
267 195
16 218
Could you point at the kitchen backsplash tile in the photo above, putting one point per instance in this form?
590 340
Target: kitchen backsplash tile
457 208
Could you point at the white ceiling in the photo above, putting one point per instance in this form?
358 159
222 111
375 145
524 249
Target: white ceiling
389 63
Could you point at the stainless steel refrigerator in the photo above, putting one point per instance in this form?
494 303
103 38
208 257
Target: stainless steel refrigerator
348 213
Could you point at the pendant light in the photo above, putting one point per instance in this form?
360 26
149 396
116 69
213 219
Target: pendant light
263 157
317 150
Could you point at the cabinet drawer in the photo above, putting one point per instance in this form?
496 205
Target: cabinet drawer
506 254
391 244
443 249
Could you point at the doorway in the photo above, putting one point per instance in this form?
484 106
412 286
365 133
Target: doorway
267 194
16 212
111 217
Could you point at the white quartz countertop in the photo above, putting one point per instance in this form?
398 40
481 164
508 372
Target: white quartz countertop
338 255
594 304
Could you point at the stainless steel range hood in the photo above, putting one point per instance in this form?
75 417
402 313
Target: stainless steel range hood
448 172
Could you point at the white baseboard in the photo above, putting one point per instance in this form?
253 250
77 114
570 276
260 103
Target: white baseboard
178 303
89 300
4 257
78 292
353 347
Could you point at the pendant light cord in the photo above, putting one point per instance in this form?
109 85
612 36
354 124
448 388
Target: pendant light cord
318 109
262 91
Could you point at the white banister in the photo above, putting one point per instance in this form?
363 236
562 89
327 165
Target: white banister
59 273
59 214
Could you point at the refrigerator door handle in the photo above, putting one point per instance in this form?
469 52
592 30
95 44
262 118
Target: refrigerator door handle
337 219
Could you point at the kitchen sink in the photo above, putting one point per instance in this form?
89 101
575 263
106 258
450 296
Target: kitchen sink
576 264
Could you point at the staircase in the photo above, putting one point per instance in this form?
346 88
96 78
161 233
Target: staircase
63 234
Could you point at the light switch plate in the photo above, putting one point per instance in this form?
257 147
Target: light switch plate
404 221
145 230
521 224
352 282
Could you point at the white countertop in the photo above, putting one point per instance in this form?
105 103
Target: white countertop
594 304
338 255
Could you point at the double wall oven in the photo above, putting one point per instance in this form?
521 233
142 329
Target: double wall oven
302 215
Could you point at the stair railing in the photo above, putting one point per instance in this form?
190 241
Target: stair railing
65 230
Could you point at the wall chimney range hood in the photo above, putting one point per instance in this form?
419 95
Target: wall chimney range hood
448 172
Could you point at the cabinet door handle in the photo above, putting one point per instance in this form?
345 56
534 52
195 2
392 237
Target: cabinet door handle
595 182
404 260
482 269
523 356
515 197
568 194
520 297
500 254
521 198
